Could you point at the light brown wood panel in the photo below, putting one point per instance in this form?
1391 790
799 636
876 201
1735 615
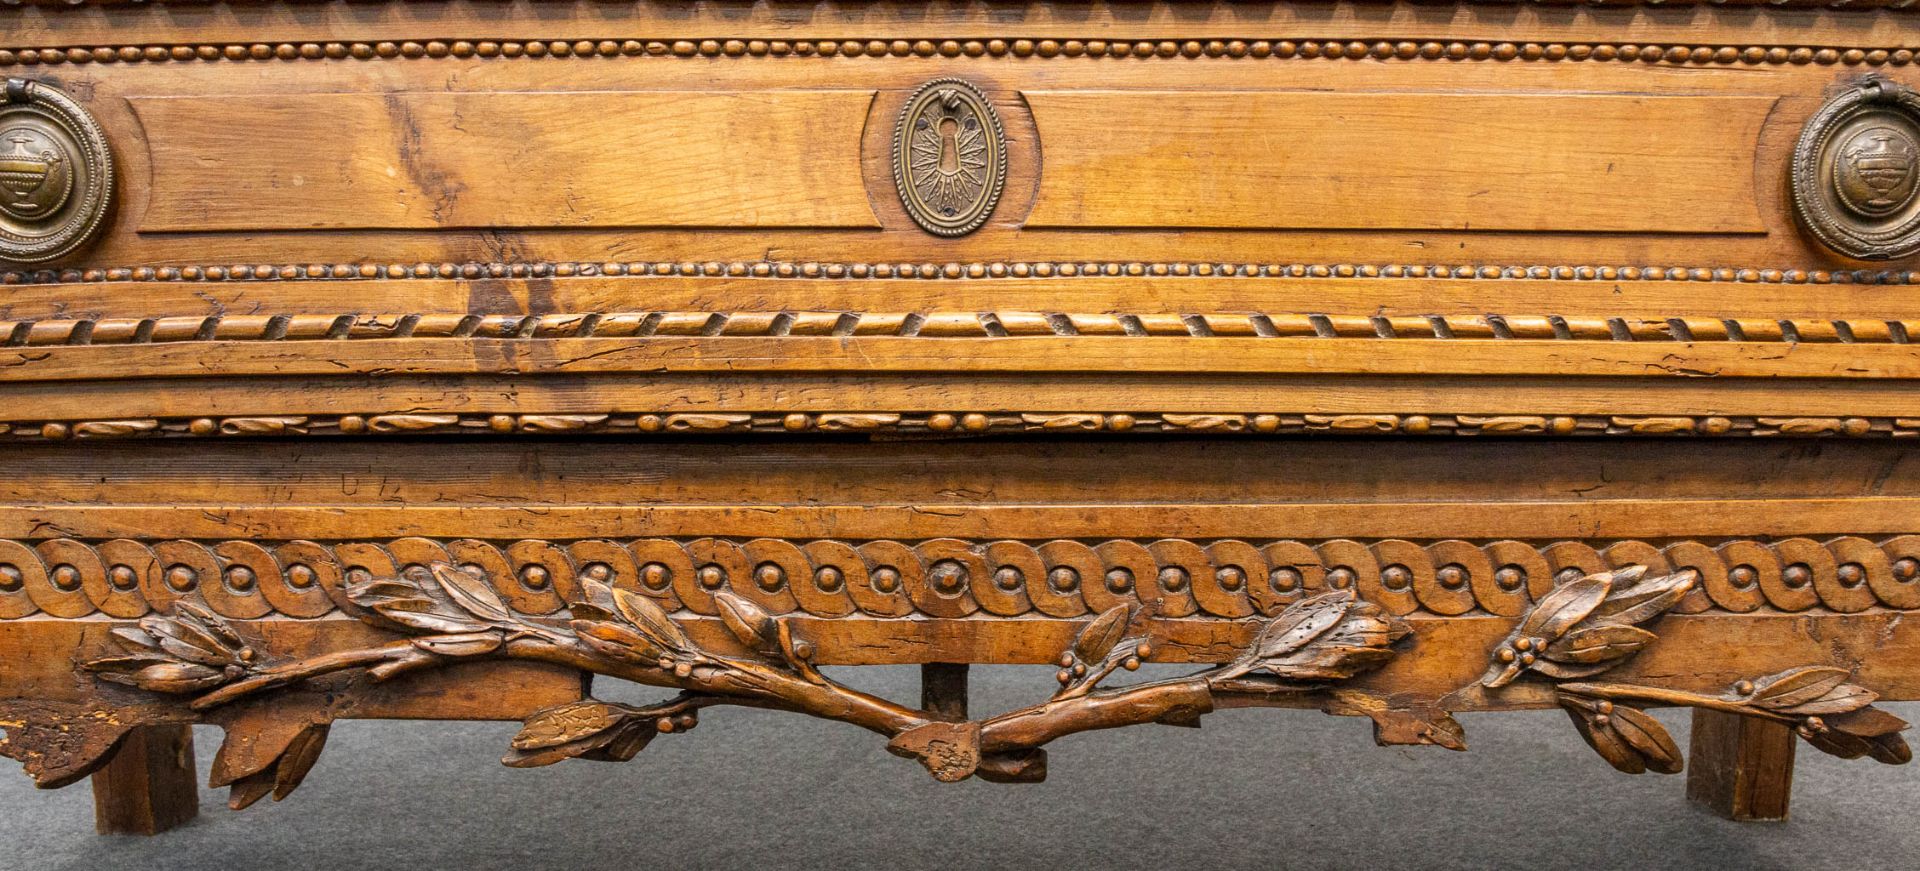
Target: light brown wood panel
935 392
425 160
103 88
1379 519
949 472
1287 160
1046 354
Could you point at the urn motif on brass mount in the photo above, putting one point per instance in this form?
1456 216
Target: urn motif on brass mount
56 175
949 157
1856 172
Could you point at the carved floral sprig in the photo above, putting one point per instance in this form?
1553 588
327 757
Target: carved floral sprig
1591 624
186 651
452 614
1586 626
1317 640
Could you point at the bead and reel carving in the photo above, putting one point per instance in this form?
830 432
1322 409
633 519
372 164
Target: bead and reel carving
1856 172
56 176
949 157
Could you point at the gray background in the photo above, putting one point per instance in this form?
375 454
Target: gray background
758 789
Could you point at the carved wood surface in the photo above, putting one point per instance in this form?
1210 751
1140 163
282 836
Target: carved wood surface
407 223
947 577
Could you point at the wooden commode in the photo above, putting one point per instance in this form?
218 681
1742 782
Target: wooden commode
442 359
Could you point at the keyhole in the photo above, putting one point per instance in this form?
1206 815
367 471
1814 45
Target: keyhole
949 146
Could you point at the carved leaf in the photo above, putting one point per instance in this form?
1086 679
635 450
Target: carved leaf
1871 731
1603 643
250 789
1645 599
565 724
616 640
259 732
468 644
581 730
1300 623
1607 743
1538 642
1647 737
748 623
624 745
1099 637
411 602
1564 671
293 766
1342 637
471 594
1567 604
194 636
1839 700
647 616
1867 723
162 677
136 639
427 615
1627 738
1779 692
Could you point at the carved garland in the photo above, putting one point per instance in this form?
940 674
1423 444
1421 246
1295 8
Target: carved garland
1581 629
1588 626
1256 49
455 616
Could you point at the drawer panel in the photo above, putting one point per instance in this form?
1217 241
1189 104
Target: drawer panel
1249 218
400 161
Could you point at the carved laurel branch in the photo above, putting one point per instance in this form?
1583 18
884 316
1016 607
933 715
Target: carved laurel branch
1589 625
455 615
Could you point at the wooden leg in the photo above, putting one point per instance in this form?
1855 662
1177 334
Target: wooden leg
943 689
1740 767
149 785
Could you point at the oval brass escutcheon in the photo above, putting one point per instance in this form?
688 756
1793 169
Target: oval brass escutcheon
949 157
56 176
1856 172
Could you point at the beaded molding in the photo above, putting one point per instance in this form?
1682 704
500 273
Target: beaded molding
954 578
1868 5
969 423
1258 49
471 270
977 325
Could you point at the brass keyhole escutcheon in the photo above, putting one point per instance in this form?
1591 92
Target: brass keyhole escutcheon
949 157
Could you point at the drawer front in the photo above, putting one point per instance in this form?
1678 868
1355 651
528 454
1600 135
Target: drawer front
1233 218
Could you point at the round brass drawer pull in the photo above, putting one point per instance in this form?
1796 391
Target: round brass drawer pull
56 176
1856 172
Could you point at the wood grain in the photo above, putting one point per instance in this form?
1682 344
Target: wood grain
421 160
149 786
1279 160
1741 768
